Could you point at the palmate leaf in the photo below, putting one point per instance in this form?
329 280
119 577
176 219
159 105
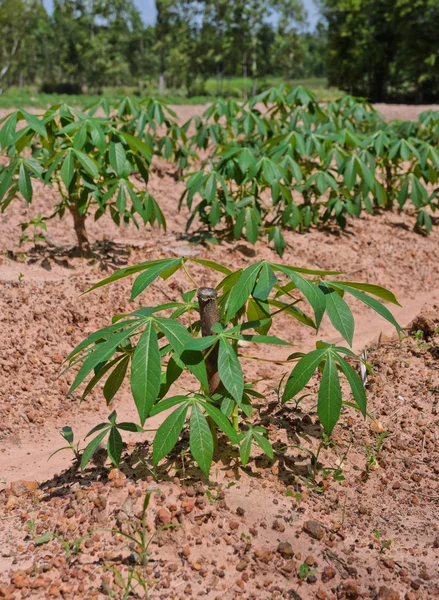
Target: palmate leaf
146 371
200 440
168 433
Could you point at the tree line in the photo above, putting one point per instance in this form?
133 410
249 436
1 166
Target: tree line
379 49
89 44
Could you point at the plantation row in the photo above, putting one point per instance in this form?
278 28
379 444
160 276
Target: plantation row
278 161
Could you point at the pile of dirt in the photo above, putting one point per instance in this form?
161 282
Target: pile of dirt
362 522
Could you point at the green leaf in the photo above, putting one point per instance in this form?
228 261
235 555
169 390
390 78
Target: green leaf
168 433
302 373
264 444
251 226
100 354
245 448
201 343
43 539
222 421
312 293
355 383
121 200
114 446
259 311
115 380
167 404
201 441
329 397
91 448
178 336
146 371
34 123
68 169
151 273
339 313
212 265
230 371
242 289
266 281
89 165
377 306
375 290
117 158
133 427
24 183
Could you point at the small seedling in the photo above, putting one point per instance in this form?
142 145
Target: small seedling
384 544
37 226
305 571
67 434
373 451
138 545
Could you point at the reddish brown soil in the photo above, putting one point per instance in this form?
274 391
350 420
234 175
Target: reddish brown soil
43 316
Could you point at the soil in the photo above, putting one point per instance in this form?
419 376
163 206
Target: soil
368 528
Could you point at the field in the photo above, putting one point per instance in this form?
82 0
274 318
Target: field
358 520
229 87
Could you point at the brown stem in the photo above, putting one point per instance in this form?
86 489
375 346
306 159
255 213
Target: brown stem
209 315
79 226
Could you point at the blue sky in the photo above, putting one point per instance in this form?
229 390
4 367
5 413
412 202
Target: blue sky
147 8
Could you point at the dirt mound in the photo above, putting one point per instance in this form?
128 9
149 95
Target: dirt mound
360 520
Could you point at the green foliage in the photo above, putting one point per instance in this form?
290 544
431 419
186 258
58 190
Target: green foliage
296 164
90 160
383 49
162 342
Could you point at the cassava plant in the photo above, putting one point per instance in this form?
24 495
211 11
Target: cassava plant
204 336
90 161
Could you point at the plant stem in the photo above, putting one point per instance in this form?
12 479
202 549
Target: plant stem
209 315
79 226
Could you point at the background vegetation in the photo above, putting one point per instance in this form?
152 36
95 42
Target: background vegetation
381 49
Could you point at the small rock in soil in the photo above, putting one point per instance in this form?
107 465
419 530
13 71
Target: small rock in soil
314 529
286 549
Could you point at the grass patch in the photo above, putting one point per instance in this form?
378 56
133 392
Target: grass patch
235 87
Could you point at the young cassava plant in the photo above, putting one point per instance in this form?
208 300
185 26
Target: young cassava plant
88 160
203 336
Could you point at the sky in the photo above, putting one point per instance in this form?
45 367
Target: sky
147 8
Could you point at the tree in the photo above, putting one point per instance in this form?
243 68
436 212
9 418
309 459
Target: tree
17 20
383 48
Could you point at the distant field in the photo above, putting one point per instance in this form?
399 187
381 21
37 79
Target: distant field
234 87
